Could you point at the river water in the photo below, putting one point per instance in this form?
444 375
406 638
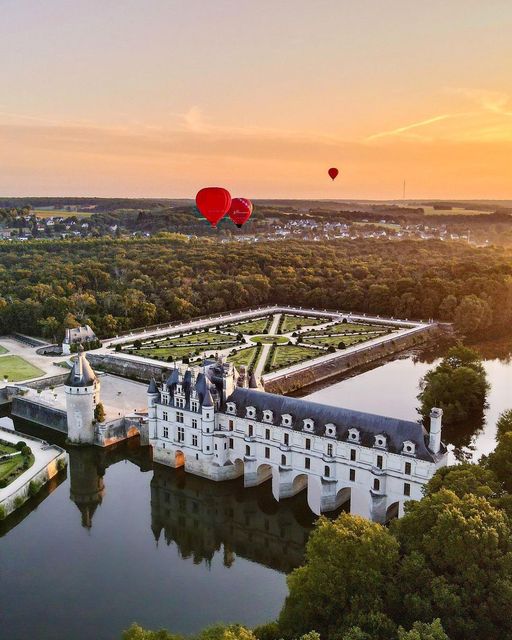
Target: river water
114 540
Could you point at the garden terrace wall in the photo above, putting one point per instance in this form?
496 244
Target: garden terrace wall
342 362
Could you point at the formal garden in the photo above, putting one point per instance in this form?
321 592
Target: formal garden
13 369
14 460
294 339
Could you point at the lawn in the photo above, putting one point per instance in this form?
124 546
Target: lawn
287 355
290 323
244 357
348 340
162 353
269 339
11 468
16 369
60 213
195 338
353 327
3 350
253 326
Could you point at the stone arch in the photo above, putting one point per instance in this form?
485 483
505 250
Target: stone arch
263 473
179 459
343 499
300 482
393 511
239 467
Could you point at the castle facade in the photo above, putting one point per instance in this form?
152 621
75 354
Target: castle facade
215 426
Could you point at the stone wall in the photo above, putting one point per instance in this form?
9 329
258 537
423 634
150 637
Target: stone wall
347 361
46 383
142 371
40 414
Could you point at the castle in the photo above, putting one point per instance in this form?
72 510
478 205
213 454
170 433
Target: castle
217 426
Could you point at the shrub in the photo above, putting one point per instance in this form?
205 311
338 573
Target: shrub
26 451
137 344
20 445
118 348
34 487
3 513
18 501
99 412
61 463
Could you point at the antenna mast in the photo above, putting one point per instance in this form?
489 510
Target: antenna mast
403 192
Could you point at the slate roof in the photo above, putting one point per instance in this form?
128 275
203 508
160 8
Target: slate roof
81 374
369 425
152 386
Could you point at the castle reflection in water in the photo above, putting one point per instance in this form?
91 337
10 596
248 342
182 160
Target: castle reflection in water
202 518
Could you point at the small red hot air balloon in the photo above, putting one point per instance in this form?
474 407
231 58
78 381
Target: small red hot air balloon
333 172
213 203
240 211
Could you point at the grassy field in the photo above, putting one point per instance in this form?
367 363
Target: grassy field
243 357
13 467
455 211
3 350
286 355
269 339
348 340
16 369
352 327
162 353
253 326
290 323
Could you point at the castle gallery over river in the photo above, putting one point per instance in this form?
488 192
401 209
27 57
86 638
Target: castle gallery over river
217 422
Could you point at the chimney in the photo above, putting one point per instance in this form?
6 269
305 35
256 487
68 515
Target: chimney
434 442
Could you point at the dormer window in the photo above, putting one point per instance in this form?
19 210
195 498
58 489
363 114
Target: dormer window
381 441
250 412
308 425
286 420
231 408
330 430
409 448
268 416
179 388
353 435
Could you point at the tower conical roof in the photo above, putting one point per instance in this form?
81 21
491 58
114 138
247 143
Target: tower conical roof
152 386
81 374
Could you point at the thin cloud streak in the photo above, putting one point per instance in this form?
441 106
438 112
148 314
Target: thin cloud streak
414 125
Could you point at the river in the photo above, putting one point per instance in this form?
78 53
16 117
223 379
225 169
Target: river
114 540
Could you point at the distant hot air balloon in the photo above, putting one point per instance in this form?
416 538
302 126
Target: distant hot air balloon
213 203
240 211
333 172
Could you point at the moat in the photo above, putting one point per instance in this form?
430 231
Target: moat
114 539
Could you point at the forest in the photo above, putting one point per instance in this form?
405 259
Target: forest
120 284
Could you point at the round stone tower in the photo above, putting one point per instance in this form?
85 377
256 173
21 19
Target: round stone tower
82 395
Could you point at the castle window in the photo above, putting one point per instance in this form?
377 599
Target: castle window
247 450
250 412
179 416
194 440
267 452
286 439
330 430
194 423
308 424
166 432
376 484
268 416
267 434
330 450
178 388
307 463
181 434
409 447
286 420
308 443
352 475
408 468
231 443
250 431
194 405
407 489
283 460
353 454
180 402
231 424
165 416
380 461
353 434
230 407
380 441
327 471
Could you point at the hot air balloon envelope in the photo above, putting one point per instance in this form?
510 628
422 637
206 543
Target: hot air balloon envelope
213 203
333 172
240 211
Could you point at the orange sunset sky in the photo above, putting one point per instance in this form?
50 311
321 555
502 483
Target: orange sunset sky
158 98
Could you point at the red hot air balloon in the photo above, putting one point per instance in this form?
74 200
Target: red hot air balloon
240 211
333 172
213 203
